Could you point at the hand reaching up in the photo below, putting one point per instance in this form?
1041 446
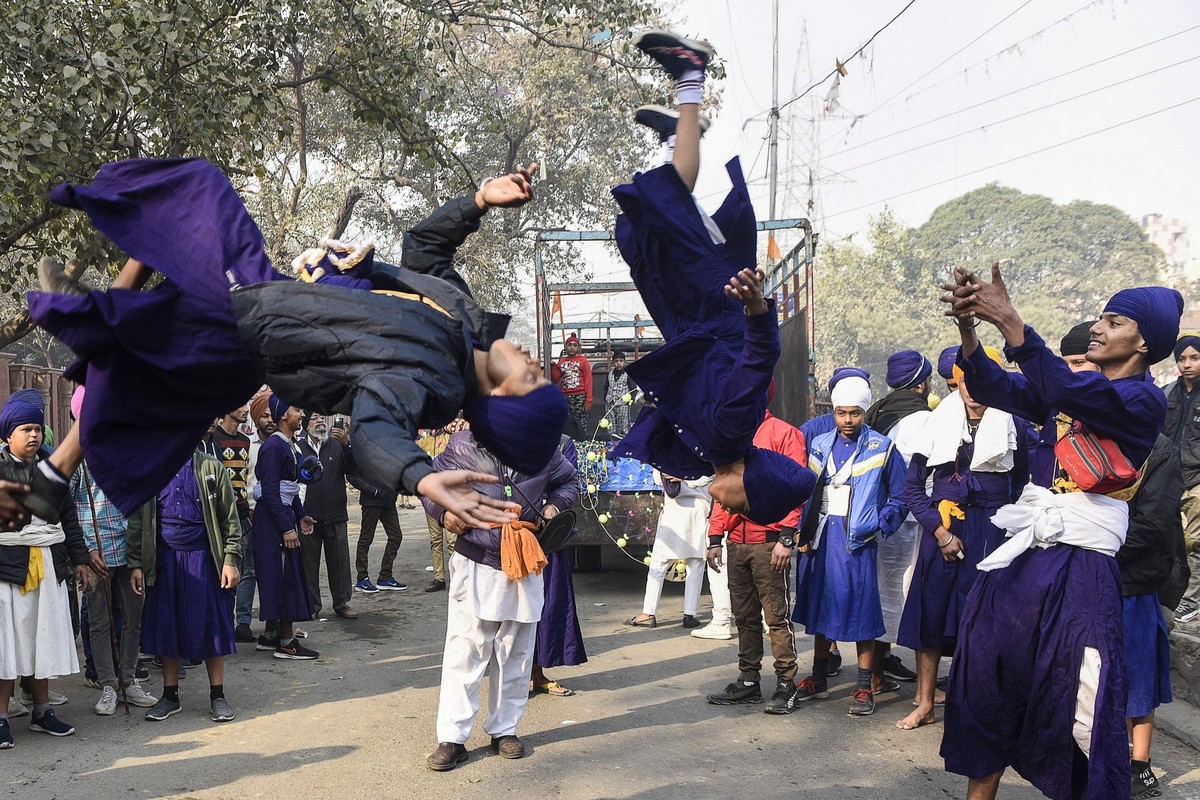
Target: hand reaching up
508 191
746 288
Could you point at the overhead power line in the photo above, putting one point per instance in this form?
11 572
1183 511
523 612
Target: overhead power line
1007 161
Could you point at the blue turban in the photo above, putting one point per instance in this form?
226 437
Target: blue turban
848 372
523 431
907 368
1187 339
1156 310
23 407
946 362
277 406
775 485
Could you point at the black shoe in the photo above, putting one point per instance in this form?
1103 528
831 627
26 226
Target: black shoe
893 667
662 120
436 585
676 54
165 707
266 643
6 740
808 689
737 693
47 722
690 622
1145 784
294 651
508 746
781 701
889 685
863 704
140 673
242 633
447 756
834 666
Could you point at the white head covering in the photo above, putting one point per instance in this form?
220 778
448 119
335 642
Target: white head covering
853 391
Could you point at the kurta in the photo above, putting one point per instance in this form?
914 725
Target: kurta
709 380
1013 687
282 590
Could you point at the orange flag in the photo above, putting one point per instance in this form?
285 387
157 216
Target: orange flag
556 306
773 252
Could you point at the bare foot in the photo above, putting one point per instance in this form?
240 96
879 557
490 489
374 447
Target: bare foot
922 716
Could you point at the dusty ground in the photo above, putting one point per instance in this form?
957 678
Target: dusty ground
359 722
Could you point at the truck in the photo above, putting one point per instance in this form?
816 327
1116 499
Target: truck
620 499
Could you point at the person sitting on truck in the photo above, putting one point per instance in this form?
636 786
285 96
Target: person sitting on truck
708 382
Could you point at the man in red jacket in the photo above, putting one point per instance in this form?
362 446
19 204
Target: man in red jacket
573 375
759 557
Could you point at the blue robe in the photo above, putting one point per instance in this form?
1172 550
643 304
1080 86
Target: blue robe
282 590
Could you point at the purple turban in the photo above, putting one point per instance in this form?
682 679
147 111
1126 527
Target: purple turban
907 368
277 406
1076 342
523 431
1156 310
946 362
775 485
848 372
1187 339
23 407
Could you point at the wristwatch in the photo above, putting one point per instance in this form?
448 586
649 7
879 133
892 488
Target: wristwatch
787 539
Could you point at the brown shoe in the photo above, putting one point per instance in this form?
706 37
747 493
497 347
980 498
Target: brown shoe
346 612
508 746
447 756
436 585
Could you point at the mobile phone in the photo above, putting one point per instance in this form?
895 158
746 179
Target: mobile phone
339 422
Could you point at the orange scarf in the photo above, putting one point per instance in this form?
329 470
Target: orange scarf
520 553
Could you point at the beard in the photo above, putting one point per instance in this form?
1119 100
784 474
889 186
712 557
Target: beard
320 434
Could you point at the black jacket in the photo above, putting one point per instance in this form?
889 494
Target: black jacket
14 559
370 495
893 407
325 500
1189 449
395 365
1155 527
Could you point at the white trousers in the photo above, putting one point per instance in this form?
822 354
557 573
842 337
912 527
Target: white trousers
691 586
718 586
475 647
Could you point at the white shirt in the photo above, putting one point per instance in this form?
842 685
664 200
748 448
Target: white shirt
489 594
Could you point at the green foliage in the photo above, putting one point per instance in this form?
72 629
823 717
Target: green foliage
1068 260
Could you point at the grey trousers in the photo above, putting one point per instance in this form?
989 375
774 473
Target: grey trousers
100 592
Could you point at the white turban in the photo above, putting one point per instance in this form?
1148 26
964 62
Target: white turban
851 392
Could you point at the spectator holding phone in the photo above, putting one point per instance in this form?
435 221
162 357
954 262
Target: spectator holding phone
327 504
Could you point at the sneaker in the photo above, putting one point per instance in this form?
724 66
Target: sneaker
91 682
714 630
221 710
690 622
242 633
863 704
52 697
893 667
737 693
447 756
391 585
365 585
265 643
16 708
6 740
835 663
662 120
294 651
676 54
106 706
162 709
49 723
889 685
1186 612
1145 784
809 689
781 700
436 585
136 694
140 673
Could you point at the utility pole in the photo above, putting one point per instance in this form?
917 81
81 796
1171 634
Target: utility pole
773 135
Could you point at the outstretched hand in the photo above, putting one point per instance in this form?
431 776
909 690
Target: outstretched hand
746 288
452 491
508 191
969 297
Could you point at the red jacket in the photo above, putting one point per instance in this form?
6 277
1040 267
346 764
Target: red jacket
573 374
773 434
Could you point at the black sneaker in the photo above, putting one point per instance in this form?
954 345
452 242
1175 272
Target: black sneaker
6 740
675 53
267 642
662 120
49 723
140 673
690 622
1187 611
808 689
835 663
781 701
1145 784
165 707
893 667
294 651
737 693
436 585
863 704
242 633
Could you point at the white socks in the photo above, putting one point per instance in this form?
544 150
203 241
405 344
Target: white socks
689 88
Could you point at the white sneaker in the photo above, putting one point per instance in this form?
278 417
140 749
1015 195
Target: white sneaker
15 708
53 698
714 630
138 696
106 706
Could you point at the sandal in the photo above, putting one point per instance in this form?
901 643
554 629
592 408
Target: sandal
552 688
649 622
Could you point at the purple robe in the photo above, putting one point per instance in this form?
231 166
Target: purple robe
282 590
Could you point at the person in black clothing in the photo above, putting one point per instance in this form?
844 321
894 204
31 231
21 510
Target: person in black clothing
378 507
326 503
1183 428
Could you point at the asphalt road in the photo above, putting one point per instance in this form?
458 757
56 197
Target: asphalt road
359 722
